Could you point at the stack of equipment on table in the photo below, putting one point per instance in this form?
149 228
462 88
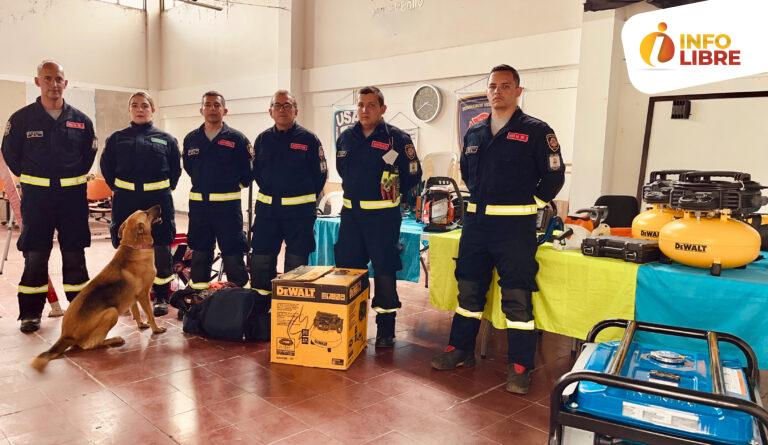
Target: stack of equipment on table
638 392
581 225
224 312
441 205
319 316
624 248
712 233
547 223
657 193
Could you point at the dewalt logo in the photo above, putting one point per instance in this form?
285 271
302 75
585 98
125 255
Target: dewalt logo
649 233
687 247
291 291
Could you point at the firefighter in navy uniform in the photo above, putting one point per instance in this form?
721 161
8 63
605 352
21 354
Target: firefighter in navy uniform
512 165
290 170
377 163
218 159
142 164
50 146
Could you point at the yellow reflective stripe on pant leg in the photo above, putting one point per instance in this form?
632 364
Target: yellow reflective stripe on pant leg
76 180
510 210
74 287
521 325
35 180
195 196
160 281
261 197
199 286
233 196
159 185
296 200
540 203
124 184
379 310
33 290
469 314
347 203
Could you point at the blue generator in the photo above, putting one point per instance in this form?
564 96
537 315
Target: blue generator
634 392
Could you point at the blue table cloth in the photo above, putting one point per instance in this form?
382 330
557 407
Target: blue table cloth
327 233
736 302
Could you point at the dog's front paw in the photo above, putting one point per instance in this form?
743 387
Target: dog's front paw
158 330
142 325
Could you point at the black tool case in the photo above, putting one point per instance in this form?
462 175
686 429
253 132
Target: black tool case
633 250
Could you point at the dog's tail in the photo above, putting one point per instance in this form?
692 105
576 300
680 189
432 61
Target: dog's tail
58 348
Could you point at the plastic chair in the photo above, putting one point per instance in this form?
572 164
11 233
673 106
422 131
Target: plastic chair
335 201
622 209
99 199
440 163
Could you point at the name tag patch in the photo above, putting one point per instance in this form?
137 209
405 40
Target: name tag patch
517 137
297 146
34 134
78 125
472 149
341 154
413 167
379 145
159 141
227 143
193 151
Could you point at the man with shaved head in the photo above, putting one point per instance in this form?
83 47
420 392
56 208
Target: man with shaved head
50 145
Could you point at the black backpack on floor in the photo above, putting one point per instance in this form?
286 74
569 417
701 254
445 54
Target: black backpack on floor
231 313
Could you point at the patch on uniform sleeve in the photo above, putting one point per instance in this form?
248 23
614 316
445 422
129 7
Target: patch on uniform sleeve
341 154
323 167
471 149
193 151
410 151
554 162
552 142
95 144
251 152
413 167
320 152
7 128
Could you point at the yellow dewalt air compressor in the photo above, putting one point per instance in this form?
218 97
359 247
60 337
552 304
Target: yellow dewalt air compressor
656 193
712 233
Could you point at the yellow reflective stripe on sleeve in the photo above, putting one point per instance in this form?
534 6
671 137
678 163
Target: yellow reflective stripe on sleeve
77 180
521 325
296 200
160 281
471 207
159 185
347 203
35 180
511 210
199 286
33 290
539 202
263 292
74 287
469 314
194 196
234 196
375 205
261 197
124 184
379 310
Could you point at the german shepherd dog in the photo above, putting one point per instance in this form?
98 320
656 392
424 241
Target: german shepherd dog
124 283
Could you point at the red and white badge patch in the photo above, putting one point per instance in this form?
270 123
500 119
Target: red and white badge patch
517 137
297 146
78 125
227 143
379 145
410 151
552 142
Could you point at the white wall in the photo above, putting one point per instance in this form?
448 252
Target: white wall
99 44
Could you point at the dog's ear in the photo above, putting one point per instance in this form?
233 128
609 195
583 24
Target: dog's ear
120 230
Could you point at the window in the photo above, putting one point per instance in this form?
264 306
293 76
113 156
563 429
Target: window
138 4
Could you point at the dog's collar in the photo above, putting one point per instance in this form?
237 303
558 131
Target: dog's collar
139 246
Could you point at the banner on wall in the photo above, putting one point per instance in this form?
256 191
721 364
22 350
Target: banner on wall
472 109
343 118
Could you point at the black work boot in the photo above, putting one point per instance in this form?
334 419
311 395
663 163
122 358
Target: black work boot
452 358
160 305
518 379
29 325
385 330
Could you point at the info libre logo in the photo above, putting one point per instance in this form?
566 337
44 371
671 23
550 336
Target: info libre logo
658 48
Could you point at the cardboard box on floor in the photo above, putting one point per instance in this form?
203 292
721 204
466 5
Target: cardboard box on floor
319 316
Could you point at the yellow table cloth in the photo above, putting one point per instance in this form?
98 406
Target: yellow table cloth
575 291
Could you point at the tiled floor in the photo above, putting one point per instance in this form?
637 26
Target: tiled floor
178 389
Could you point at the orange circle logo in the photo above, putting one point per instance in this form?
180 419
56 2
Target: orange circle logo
666 48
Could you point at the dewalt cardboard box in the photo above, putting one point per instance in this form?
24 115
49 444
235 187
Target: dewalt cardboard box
319 316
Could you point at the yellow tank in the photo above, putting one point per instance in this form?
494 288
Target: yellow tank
710 243
647 224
